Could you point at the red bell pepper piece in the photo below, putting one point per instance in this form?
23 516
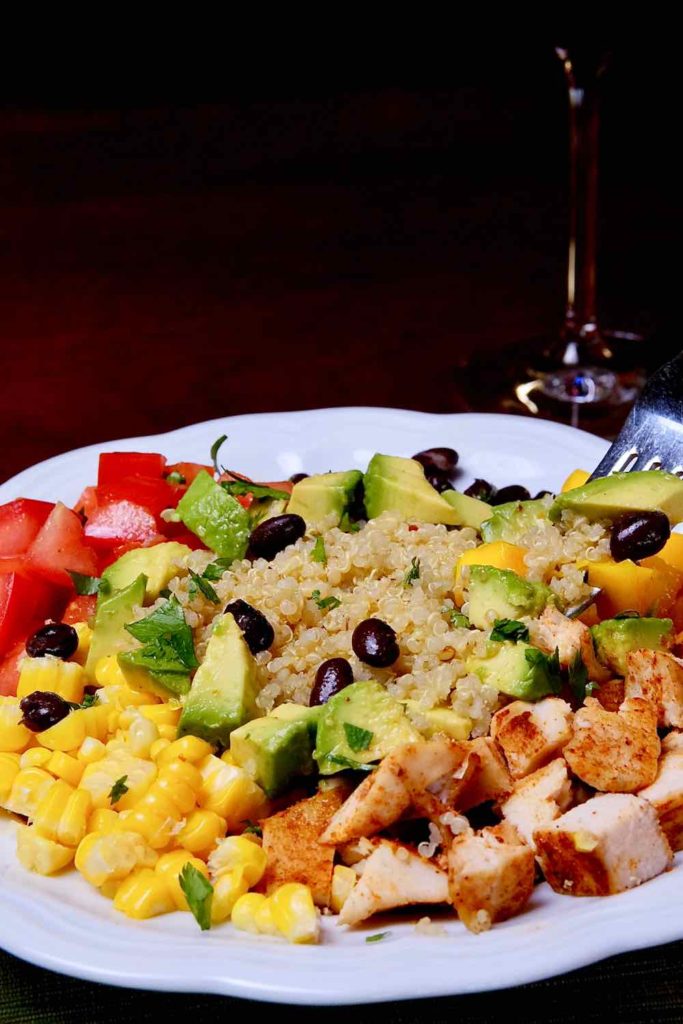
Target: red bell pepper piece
59 547
20 522
116 466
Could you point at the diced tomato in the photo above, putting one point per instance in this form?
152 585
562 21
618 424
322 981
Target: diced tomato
120 522
20 522
116 466
60 547
245 500
9 669
87 503
178 532
152 494
25 600
80 609
188 470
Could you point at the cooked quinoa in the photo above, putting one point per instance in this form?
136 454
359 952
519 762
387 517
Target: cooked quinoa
366 571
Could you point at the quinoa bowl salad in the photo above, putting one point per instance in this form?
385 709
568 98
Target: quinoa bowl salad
403 706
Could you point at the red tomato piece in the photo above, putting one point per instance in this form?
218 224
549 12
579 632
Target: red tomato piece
152 494
80 609
25 600
188 470
116 466
120 522
59 547
87 503
20 522
180 533
9 669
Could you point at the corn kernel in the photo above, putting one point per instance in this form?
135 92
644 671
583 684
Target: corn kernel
39 854
200 832
187 748
239 852
103 819
227 757
51 675
35 757
157 749
9 769
28 789
142 733
168 732
111 856
229 792
14 737
155 829
108 673
343 881
62 814
84 633
72 730
91 750
169 867
295 914
182 782
161 714
226 891
245 910
99 778
142 895
65 767
73 823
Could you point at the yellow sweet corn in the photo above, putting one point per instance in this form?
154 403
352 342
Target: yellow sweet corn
201 832
99 778
103 819
140 732
166 802
9 769
157 749
229 792
64 766
187 748
104 857
51 675
91 750
115 689
239 852
169 867
161 714
343 881
168 732
84 633
39 854
72 730
62 815
144 894
35 757
226 891
28 789
252 913
14 737
294 913
227 757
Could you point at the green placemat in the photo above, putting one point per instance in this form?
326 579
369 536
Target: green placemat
639 988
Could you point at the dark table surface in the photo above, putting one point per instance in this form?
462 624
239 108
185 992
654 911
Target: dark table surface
166 263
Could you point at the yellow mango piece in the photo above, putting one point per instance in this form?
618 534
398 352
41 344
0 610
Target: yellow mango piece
498 553
647 589
671 553
576 478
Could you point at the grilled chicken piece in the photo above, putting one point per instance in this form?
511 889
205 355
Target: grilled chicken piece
658 677
570 637
611 694
489 779
291 839
393 876
531 734
490 875
616 752
539 799
611 843
414 774
666 792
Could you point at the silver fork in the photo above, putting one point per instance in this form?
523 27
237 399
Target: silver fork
652 436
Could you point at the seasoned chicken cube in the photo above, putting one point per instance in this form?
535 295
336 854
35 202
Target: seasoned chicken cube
611 843
666 792
611 694
615 752
393 876
570 637
489 778
658 677
291 840
490 876
531 734
539 799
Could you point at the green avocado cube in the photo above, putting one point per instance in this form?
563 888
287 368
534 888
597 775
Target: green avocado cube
615 638
318 496
114 610
215 516
471 511
518 669
277 749
158 563
397 485
609 496
512 519
502 594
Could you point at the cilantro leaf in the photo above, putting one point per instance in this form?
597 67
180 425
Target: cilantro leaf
456 618
198 893
358 739
413 573
348 762
236 487
318 554
118 790
166 626
325 602
251 828
85 585
579 683
377 937
90 700
176 478
201 584
550 663
160 659
215 448
509 629
215 570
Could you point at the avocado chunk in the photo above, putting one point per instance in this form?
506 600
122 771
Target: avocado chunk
397 485
609 496
223 693
215 516
438 720
359 725
114 611
277 749
471 511
512 519
519 670
158 563
316 497
614 638
502 594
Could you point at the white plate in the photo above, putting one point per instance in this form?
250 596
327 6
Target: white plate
65 925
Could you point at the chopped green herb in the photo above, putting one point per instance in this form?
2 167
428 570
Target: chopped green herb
201 584
251 828
509 629
413 573
551 664
85 585
118 790
348 525
167 634
236 487
579 683
377 937
165 593
318 554
198 893
358 739
347 762
90 700
176 478
456 618
215 448
215 570
325 602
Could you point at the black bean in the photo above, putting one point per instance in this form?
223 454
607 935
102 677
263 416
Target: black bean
332 676
43 709
439 466
513 492
257 631
439 481
543 494
296 477
57 638
374 642
638 535
275 534
482 490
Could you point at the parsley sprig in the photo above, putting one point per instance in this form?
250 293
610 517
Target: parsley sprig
201 584
357 738
85 585
319 554
325 602
549 662
412 574
579 682
168 648
509 629
215 448
259 491
198 892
